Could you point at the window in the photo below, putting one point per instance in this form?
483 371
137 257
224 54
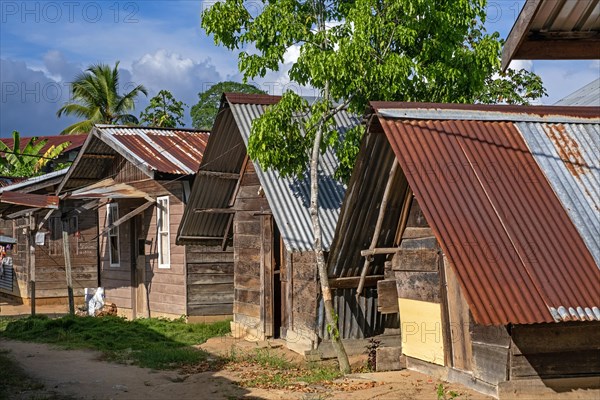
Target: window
162 223
112 214
54 238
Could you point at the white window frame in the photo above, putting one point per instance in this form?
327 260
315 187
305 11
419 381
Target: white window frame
112 216
162 211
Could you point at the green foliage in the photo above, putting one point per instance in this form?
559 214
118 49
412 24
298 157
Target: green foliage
205 111
354 52
29 161
164 111
153 343
443 394
96 99
512 87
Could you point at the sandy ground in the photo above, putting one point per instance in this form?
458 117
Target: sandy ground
83 375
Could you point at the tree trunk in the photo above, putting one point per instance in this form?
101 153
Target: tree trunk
321 266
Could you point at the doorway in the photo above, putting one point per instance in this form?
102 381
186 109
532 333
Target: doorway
139 294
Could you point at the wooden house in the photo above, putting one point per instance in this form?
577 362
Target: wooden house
485 222
266 218
29 212
141 178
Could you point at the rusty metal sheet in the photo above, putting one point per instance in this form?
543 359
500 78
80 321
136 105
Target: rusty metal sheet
108 189
515 249
170 151
29 200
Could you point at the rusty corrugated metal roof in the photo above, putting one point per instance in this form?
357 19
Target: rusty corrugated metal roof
517 253
169 151
76 141
29 200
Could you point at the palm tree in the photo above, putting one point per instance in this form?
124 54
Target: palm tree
96 99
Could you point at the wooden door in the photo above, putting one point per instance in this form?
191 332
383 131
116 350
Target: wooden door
139 294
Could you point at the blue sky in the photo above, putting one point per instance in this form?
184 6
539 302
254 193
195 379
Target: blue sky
160 44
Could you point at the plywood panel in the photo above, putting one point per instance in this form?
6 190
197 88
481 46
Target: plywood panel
421 329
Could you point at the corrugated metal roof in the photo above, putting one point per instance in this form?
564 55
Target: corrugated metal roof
75 140
170 151
554 30
288 197
518 255
589 95
569 156
35 180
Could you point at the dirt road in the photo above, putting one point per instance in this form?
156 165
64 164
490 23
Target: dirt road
83 375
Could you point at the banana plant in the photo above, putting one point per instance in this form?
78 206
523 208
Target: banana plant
30 160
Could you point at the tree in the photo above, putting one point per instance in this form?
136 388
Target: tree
352 52
163 111
96 98
29 161
204 112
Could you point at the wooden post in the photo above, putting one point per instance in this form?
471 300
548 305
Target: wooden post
31 259
67 254
382 207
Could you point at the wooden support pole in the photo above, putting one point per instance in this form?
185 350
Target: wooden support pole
380 216
67 254
31 259
404 216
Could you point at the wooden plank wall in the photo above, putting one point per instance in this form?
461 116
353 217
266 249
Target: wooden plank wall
50 262
247 228
305 292
555 350
166 286
209 280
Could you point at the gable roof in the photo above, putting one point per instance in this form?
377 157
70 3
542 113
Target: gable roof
511 195
154 151
554 30
287 197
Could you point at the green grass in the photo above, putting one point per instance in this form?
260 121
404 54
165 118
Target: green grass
269 370
153 343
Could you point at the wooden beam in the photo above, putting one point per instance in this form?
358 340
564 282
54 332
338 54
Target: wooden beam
239 182
226 235
99 156
380 216
408 198
215 210
22 212
220 175
354 281
380 250
519 31
126 217
200 238
67 255
558 49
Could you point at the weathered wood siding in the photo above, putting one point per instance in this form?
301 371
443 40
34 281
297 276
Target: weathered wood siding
305 294
166 287
209 280
247 230
50 275
83 249
555 350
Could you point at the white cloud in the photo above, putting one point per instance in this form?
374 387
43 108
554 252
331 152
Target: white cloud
521 64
